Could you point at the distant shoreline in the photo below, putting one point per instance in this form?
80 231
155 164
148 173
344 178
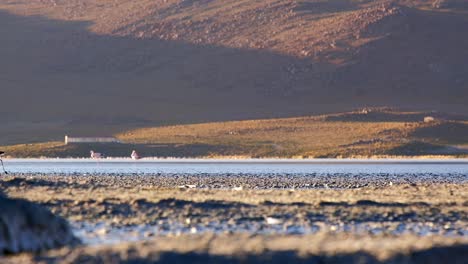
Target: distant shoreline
376 134
376 160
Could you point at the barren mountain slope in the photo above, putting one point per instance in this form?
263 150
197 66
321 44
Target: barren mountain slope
370 133
101 66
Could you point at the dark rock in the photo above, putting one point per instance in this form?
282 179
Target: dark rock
29 227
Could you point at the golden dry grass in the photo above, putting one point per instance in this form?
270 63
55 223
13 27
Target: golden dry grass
283 137
347 134
354 134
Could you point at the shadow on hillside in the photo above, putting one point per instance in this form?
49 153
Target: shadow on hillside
446 132
93 84
377 117
83 83
454 4
144 150
415 54
392 116
420 148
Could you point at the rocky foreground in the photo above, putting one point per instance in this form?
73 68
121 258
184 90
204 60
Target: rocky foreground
252 218
28 227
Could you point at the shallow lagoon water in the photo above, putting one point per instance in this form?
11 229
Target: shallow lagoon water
103 233
272 166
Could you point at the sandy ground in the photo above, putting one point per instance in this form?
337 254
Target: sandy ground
248 218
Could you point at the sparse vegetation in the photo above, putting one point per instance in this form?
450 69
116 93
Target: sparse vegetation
375 133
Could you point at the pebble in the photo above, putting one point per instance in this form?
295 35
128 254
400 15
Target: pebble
273 221
103 231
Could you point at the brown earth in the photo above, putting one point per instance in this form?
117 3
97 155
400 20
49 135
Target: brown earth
88 67
239 248
372 133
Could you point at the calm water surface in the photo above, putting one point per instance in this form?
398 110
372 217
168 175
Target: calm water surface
196 166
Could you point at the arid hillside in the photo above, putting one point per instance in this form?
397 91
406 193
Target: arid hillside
99 67
368 133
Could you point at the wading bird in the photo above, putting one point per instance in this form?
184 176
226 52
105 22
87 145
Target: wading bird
95 155
134 155
1 161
